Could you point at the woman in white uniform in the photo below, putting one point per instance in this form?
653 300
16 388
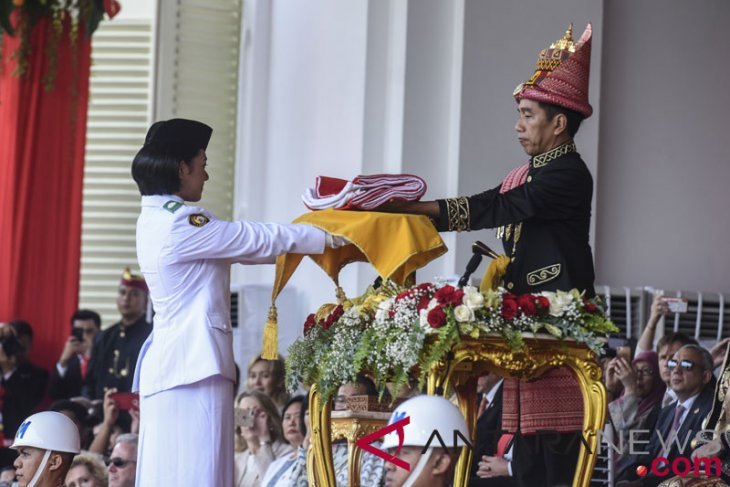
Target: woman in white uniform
185 371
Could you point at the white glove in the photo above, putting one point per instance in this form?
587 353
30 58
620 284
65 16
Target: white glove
335 241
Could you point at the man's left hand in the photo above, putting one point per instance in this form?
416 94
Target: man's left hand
493 467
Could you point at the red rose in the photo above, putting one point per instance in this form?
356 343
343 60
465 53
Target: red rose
403 295
309 324
436 317
591 308
423 303
509 308
327 322
543 305
449 295
426 286
443 295
526 302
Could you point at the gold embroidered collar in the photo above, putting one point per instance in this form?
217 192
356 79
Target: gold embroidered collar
542 159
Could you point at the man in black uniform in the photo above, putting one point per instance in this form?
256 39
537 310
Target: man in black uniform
115 351
542 211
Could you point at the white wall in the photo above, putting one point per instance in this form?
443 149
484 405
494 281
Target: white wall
664 164
136 10
302 115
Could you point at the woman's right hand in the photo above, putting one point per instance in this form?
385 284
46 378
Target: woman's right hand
659 308
626 374
111 412
613 384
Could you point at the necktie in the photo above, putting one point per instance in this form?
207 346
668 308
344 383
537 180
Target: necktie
83 365
482 405
677 417
503 444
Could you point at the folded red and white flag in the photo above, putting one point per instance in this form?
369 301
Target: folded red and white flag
365 192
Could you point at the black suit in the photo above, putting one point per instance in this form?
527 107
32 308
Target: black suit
489 426
24 391
691 424
70 385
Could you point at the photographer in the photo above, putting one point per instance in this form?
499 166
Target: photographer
68 375
22 383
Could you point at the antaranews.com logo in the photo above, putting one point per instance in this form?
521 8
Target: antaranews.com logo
660 466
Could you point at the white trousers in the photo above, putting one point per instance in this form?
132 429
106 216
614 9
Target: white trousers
186 436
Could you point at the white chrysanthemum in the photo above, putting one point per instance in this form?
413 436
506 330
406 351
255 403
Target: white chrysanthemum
463 313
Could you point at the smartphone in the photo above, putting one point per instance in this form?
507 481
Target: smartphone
244 417
126 400
78 333
676 305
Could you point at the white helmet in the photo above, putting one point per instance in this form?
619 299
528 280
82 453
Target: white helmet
426 414
50 431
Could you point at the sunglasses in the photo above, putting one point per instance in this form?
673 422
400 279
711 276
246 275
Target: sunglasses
687 365
118 462
642 372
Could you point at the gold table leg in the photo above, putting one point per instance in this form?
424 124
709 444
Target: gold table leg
471 357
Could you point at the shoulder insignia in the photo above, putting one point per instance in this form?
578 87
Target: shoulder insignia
172 206
198 220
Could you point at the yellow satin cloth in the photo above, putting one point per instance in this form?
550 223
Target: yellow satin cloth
495 273
396 245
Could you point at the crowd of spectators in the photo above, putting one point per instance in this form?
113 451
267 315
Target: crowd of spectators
664 389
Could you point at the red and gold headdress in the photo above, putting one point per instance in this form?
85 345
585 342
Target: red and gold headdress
561 74
133 280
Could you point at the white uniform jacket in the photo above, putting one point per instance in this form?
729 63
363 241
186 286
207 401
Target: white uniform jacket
185 254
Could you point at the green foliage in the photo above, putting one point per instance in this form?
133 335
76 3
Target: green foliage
396 335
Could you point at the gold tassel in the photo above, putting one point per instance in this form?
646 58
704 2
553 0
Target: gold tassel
340 295
270 343
495 273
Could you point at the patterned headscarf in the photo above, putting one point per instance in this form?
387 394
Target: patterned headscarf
561 74
656 393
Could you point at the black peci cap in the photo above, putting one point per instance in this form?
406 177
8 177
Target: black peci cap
179 136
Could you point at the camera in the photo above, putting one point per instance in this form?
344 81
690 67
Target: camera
78 333
11 345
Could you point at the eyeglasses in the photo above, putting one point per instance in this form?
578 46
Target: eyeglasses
647 372
686 365
118 462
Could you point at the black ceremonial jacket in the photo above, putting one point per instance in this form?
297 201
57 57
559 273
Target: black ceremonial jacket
114 357
544 224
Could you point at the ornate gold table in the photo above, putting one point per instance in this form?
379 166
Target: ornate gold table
458 373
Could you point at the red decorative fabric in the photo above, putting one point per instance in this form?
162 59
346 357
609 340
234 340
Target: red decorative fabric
42 143
566 85
551 402
516 177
